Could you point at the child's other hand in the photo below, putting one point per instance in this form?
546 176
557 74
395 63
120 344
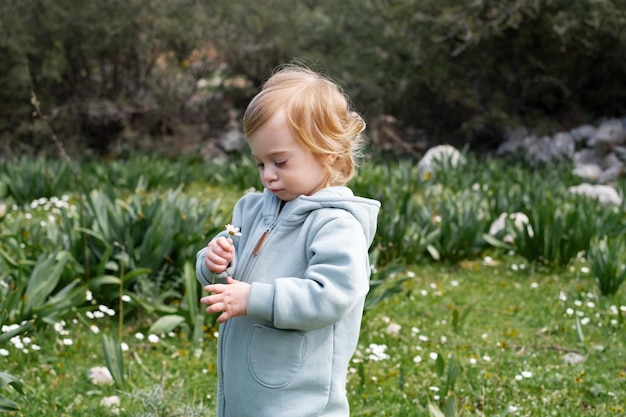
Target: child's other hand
231 299
219 254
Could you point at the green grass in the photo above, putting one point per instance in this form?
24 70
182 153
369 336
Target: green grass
492 334
509 327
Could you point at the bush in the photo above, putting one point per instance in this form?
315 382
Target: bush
463 72
99 68
607 263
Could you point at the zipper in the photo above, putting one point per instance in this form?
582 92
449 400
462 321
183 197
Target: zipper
259 243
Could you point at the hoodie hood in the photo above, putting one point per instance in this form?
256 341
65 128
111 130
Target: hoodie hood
365 210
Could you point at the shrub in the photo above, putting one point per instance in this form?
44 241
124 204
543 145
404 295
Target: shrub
607 263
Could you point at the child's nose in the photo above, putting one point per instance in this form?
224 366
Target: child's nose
269 174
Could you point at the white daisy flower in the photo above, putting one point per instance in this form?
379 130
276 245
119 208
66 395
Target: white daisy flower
232 230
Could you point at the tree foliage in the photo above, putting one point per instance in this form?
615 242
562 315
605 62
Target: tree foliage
463 71
95 66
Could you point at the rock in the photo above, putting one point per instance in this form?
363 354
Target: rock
438 157
610 132
232 140
603 193
582 133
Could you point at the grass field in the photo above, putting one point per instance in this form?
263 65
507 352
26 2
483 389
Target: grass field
526 343
454 325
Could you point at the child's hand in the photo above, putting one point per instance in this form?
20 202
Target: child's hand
219 254
230 298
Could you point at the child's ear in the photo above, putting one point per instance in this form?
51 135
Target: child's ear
331 158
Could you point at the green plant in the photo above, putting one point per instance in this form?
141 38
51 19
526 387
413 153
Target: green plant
461 221
405 230
449 375
559 229
378 291
188 316
8 379
35 292
8 332
159 231
29 179
239 171
607 263
140 173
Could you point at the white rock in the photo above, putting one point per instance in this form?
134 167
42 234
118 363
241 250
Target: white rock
440 155
100 375
603 193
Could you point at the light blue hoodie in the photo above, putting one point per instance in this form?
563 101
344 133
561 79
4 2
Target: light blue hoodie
289 356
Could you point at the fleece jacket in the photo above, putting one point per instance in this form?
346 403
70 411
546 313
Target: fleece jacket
308 267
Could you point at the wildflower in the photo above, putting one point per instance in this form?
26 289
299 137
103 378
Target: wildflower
110 401
100 375
377 352
113 402
232 230
393 329
572 358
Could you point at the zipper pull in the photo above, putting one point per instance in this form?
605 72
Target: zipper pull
257 247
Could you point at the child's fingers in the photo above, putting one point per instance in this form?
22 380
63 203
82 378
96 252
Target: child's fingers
225 244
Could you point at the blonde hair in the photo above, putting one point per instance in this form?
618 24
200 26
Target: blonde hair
319 116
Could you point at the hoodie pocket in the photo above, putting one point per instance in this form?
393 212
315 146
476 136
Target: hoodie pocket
274 355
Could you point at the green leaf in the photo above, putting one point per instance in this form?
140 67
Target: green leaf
454 370
440 365
114 359
455 319
44 279
166 324
151 307
434 411
433 252
495 242
191 289
7 405
8 379
4 337
450 406
103 280
579 331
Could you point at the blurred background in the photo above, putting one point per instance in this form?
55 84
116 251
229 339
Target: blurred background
172 77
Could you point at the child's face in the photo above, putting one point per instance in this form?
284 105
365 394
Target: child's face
287 168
